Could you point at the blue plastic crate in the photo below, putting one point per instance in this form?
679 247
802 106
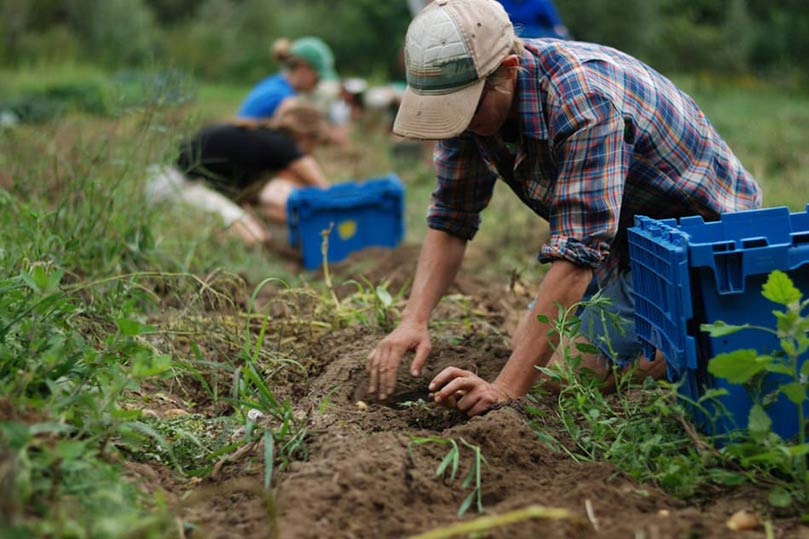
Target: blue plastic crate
692 272
359 215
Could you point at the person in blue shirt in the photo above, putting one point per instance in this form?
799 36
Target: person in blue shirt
305 62
535 18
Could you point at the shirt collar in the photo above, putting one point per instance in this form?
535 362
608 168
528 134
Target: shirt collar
531 96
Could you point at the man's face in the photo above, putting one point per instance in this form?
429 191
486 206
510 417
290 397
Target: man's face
493 108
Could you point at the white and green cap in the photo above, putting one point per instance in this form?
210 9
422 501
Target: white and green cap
450 49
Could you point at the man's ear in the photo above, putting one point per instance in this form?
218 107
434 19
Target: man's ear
512 60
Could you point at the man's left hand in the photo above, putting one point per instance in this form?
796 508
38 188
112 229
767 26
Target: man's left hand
466 392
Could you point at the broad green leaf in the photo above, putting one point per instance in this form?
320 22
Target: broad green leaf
779 368
727 478
721 329
759 422
795 392
780 497
384 296
805 369
542 319
780 289
145 365
736 367
70 450
798 450
131 328
40 281
586 348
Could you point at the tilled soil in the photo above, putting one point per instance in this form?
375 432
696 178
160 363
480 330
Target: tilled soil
370 474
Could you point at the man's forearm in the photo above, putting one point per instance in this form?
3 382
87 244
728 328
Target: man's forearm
564 285
439 261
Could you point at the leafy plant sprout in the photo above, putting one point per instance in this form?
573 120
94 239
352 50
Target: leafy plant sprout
744 366
448 468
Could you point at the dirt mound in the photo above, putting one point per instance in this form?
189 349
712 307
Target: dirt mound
368 477
372 474
371 468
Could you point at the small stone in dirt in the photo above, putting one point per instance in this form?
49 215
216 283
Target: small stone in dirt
742 521
361 406
664 513
254 415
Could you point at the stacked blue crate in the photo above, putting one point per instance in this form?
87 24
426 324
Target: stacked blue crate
355 215
689 273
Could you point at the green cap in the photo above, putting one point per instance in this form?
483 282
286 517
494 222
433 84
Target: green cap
317 55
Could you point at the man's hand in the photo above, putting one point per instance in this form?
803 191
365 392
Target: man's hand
383 361
467 392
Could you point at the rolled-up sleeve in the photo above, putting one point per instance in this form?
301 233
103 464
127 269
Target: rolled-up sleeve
465 186
588 143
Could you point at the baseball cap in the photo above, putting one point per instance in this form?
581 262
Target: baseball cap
316 54
450 48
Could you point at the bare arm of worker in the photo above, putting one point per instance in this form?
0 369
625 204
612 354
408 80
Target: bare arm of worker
564 284
440 258
305 172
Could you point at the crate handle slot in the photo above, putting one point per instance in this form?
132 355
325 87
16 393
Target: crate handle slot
749 243
729 278
800 238
723 247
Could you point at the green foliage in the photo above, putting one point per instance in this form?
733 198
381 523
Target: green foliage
67 387
448 468
640 431
230 39
762 449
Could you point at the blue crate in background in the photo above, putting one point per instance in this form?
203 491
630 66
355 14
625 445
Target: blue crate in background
692 272
359 214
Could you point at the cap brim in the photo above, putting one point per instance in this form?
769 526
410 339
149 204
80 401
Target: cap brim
328 73
435 117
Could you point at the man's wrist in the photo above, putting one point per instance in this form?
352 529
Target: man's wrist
503 389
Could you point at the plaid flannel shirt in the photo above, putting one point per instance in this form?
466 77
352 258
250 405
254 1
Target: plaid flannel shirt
601 138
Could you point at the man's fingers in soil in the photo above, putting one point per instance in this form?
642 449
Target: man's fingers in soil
422 351
387 363
480 407
444 377
450 402
461 384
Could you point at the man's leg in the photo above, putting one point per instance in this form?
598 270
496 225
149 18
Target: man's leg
610 330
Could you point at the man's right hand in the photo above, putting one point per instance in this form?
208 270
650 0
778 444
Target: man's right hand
383 361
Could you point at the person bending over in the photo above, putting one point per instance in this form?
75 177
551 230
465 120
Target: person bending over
232 168
587 137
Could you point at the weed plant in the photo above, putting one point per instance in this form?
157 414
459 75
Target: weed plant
448 469
758 448
643 431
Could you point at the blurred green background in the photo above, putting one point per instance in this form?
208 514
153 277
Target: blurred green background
230 39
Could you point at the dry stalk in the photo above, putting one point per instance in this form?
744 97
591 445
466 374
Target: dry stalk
485 524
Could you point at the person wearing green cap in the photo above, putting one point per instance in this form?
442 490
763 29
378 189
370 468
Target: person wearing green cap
305 62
